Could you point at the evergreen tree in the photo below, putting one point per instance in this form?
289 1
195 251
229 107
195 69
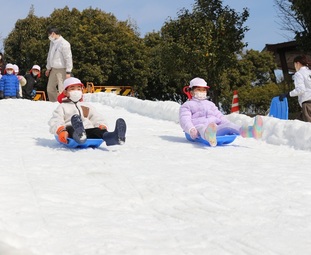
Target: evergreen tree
204 42
105 50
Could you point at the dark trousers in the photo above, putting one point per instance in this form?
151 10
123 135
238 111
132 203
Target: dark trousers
90 132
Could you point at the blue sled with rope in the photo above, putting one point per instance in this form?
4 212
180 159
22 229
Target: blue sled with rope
92 143
110 138
78 142
221 140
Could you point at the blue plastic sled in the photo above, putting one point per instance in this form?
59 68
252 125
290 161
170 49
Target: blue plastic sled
221 140
93 143
279 109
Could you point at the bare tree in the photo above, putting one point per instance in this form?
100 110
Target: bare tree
290 20
295 16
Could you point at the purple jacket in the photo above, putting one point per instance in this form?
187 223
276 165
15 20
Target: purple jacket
194 113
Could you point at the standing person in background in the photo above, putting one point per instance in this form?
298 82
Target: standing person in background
2 64
302 90
9 85
59 63
29 90
21 79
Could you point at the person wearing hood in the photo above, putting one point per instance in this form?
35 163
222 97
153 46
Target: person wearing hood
201 117
89 123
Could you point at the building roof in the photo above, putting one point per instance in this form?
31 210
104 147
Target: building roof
284 54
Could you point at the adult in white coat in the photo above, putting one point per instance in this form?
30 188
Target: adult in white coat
302 90
59 63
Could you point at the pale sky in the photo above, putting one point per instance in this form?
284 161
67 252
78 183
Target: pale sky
151 15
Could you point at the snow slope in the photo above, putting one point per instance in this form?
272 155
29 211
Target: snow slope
156 194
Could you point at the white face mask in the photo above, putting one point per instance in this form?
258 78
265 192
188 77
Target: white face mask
9 72
35 73
51 38
200 95
75 95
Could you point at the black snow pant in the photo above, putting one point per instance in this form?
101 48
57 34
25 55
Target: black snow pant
95 133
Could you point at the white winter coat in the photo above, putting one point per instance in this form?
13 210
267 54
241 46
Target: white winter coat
302 81
63 113
59 55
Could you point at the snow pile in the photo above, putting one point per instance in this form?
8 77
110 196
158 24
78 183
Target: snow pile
157 193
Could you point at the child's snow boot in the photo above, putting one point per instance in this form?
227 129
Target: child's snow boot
118 135
246 131
257 128
210 134
79 134
254 131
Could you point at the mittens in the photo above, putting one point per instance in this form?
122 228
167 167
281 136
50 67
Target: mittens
103 127
62 134
193 133
33 93
282 96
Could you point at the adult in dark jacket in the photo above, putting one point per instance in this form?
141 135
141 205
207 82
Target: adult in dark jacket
32 78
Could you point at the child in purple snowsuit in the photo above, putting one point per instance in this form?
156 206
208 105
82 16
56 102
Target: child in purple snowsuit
201 117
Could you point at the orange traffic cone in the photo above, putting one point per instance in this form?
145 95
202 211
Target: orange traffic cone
235 102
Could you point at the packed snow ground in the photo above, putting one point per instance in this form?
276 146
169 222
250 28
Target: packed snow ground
156 194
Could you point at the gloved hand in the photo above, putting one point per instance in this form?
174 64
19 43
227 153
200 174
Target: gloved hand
103 127
62 134
282 96
33 93
193 133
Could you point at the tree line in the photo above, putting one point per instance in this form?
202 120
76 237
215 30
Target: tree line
204 42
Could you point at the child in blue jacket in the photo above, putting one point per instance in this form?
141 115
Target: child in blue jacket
9 84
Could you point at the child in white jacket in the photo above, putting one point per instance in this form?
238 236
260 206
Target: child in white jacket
76 119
